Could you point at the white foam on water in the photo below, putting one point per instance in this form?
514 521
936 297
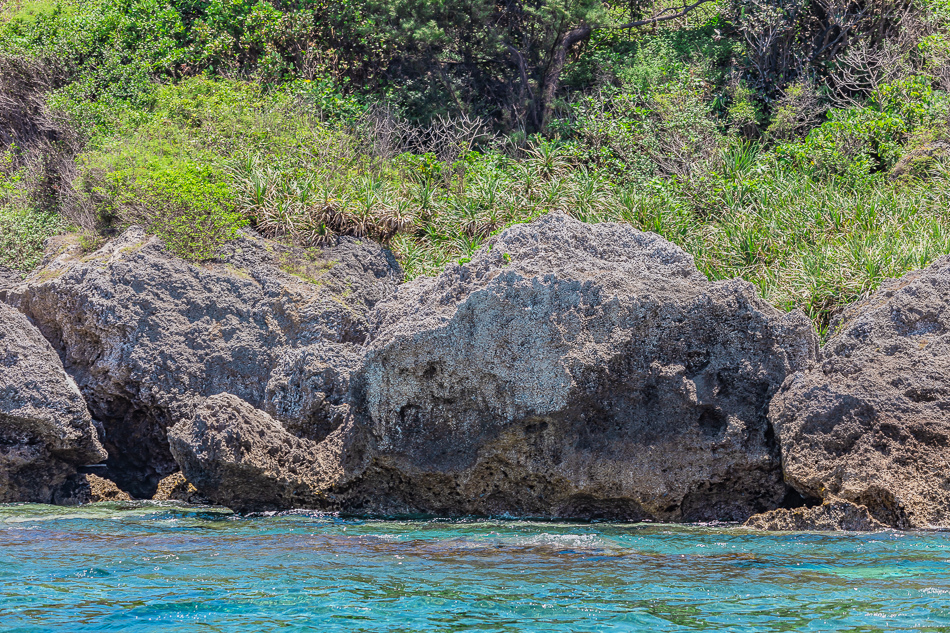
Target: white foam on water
562 542
935 591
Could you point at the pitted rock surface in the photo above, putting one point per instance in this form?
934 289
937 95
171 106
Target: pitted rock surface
241 457
871 422
45 428
308 391
833 515
148 336
176 488
101 489
575 370
9 278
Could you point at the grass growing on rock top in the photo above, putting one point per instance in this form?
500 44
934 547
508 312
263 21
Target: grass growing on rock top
196 121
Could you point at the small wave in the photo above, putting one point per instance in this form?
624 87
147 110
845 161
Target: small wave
935 591
579 542
109 510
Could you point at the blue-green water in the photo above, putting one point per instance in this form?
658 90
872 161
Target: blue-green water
140 567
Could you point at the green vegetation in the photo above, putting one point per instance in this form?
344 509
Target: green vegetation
801 145
25 221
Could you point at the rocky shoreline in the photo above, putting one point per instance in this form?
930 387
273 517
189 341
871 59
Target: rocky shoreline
567 370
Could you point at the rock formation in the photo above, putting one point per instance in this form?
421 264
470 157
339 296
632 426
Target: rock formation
83 488
45 428
176 488
832 515
102 489
242 458
568 370
870 424
576 370
148 336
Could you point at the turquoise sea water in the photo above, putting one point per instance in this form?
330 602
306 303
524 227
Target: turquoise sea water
146 567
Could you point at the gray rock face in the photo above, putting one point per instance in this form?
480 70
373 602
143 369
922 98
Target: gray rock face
308 391
871 423
241 457
574 370
9 277
148 336
831 516
45 427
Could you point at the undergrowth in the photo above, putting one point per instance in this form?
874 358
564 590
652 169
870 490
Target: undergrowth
814 196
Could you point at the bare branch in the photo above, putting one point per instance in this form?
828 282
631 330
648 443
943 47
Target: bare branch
661 17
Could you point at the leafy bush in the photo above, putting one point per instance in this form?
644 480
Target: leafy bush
659 122
189 205
797 111
859 141
22 234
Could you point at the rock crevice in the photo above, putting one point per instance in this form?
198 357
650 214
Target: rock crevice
148 336
46 431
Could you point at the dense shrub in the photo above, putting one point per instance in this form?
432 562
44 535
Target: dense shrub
858 141
430 126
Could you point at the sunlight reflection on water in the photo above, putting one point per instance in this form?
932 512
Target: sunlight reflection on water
153 567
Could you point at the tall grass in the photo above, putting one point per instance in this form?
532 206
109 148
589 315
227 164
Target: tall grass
221 154
817 244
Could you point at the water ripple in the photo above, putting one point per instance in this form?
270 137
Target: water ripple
158 567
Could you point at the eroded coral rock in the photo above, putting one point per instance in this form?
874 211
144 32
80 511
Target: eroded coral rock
82 488
102 489
243 458
308 391
575 370
176 488
148 336
871 423
569 370
45 428
832 515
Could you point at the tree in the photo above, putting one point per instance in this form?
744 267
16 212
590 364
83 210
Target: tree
503 59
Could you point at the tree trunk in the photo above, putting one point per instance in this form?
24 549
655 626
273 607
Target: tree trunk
552 77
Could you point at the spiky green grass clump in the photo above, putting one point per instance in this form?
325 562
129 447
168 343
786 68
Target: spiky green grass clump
222 154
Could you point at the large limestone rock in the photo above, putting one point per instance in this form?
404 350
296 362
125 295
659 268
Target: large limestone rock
568 370
148 336
575 370
45 428
243 458
871 423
